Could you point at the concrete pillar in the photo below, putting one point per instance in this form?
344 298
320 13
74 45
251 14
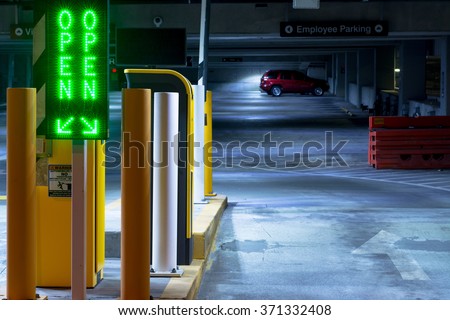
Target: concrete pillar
385 64
366 76
412 67
353 95
333 74
340 75
366 67
445 75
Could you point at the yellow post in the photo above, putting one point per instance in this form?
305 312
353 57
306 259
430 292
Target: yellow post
208 146
99 221
21 194
135 242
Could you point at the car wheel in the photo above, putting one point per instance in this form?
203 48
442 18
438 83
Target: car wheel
276 91
318 91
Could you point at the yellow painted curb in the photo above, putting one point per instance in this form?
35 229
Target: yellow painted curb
205 226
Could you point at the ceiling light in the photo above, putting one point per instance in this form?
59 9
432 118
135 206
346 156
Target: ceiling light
306 4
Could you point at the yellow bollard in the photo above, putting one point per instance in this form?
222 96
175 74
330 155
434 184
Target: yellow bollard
208 146
135 242
21 194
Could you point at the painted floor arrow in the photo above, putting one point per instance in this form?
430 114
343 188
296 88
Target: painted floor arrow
383 243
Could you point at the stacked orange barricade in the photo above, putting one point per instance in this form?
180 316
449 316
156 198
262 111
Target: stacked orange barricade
409 143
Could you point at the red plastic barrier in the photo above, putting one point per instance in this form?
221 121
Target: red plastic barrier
409 143
407 122
408 161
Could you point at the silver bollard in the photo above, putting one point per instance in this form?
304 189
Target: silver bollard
199 144
165 185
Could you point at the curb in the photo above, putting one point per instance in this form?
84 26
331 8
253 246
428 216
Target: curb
205 227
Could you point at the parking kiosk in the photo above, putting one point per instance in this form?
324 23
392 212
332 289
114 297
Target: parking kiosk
70 68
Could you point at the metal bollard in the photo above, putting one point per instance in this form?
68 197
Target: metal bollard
21 259
208 147
165 185
199 143
135 242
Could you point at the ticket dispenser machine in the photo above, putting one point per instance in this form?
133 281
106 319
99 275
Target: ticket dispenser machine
54 215
161 80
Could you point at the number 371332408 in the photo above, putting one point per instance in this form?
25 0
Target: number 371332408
294 310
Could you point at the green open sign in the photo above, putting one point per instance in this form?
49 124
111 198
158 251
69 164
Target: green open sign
77 82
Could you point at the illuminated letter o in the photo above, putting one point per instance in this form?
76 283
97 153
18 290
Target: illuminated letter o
65 19
89 20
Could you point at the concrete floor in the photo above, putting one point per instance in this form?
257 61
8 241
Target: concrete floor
338 230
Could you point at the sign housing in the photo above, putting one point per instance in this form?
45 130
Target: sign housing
77 70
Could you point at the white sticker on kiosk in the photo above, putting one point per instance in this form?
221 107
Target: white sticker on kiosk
60 180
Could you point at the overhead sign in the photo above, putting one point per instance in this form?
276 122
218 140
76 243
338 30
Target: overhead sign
334 29
21 31
77 80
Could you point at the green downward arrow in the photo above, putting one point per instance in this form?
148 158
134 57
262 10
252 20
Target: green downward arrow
92 126
62 129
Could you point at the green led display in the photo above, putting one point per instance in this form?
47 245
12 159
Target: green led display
77 81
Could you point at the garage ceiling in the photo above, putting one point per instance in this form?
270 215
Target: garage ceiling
244 44
29 2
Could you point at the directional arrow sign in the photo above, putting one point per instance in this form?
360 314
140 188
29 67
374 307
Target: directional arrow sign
76 71
383 243
92 126
63 125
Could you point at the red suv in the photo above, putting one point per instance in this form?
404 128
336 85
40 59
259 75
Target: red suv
276 82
